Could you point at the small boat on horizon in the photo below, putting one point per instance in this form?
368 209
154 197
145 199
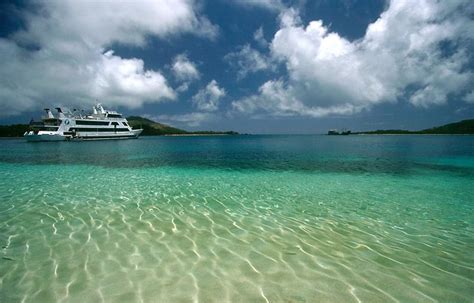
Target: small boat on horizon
100 124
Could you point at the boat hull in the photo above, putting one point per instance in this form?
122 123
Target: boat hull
133 134
45 138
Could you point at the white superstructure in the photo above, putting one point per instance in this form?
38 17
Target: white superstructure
99 124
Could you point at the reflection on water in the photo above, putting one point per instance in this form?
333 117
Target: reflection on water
246 219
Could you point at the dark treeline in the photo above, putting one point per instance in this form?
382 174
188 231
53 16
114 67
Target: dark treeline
15 130
464 127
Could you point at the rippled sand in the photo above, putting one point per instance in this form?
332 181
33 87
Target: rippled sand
82 233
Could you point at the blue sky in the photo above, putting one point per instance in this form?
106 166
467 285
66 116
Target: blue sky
256 66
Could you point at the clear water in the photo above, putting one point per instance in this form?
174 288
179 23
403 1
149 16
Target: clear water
241 219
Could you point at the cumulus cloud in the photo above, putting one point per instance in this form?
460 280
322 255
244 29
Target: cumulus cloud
120 79
98 23
401 56
183 69
63 55
208 98
206 101
275 98
247 60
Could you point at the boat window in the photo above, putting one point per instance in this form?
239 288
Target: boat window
114 115
125 123
83 129
52 121
86 122
48 128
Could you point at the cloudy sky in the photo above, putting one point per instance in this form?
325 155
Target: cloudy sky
258 66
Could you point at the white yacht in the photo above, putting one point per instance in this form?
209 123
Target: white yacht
66 125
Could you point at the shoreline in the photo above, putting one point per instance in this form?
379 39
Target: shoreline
219 135
362 134
192 135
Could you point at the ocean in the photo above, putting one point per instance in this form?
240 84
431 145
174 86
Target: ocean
280 218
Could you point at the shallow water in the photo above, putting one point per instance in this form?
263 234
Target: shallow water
241 219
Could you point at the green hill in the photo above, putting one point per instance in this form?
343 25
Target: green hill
152 128
461 127
464 127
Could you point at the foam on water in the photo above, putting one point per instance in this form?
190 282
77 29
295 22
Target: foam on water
88 233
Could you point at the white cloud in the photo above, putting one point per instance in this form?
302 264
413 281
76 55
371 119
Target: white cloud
247 60
120 80
99 23
208 98
275 98
183 69
190 119
30 80
183 87
274 5
399 57
260 38
61 57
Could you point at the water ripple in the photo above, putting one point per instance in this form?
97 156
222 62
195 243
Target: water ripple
192 235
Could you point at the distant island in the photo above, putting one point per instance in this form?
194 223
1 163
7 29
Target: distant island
464 127
150 128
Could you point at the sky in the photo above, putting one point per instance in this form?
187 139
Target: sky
252 66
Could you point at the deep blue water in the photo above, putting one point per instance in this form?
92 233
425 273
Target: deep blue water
351 154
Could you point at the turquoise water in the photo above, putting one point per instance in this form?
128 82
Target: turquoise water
240 219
